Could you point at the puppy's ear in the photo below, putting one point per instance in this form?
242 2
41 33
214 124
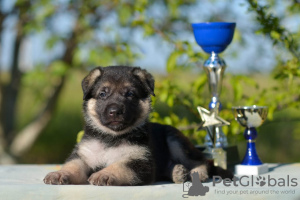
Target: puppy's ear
89 81
146 79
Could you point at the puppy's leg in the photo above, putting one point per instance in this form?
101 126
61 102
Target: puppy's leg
183 152
122 173
114 174
179 174
73 172
202 170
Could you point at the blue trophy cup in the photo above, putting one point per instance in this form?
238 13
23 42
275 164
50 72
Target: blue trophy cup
213 38
250 117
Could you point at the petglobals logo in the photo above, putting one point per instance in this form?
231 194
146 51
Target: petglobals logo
196 188
268 183
247 181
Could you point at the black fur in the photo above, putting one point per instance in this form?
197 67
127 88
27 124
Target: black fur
116 107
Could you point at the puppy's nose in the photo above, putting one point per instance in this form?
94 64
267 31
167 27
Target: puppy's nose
114 111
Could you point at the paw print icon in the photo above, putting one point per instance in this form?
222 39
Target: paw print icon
261 181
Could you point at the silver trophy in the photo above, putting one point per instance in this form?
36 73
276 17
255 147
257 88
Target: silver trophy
214 67
250 117
214 37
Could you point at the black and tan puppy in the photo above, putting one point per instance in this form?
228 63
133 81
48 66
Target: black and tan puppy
120 146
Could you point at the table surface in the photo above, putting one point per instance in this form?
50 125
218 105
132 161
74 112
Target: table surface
26 182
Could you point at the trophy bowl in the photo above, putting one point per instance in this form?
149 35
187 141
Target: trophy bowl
213 36
250 117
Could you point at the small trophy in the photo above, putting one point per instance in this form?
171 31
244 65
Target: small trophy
214 37
250 117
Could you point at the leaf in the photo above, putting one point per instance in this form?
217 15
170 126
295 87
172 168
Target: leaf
52 41
275 35
172 60
170 100
168 120
79 136
124 13
77 58
163 95
199 83
58 68
148 29
140 5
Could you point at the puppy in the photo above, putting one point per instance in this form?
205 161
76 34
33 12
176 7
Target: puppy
119 145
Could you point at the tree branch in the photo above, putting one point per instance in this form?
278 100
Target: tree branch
28 135
11 90
25 139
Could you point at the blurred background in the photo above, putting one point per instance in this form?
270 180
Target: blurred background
48 46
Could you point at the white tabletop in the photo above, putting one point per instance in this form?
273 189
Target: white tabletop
26 182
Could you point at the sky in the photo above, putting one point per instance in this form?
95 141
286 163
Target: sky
255 54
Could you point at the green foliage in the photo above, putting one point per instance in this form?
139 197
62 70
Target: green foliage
287 72
184 87
282 93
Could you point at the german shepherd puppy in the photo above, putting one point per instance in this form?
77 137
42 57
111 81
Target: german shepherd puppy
119 145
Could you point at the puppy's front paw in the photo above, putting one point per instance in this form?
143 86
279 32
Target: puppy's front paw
58 178
202 171
103 178
179 174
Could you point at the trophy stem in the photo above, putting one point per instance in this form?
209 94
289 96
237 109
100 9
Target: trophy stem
251 157
214 67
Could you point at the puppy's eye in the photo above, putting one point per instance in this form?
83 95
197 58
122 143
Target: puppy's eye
129 94
102 94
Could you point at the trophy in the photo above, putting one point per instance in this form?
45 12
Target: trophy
214 37
250 117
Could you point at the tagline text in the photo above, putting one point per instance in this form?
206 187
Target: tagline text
254 192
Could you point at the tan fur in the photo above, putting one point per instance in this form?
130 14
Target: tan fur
77 168
126 84
93 76
140 73
103 85
202 171
73 172
115 174
179 174
92 118
95 153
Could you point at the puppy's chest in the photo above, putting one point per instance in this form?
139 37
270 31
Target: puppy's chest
95 153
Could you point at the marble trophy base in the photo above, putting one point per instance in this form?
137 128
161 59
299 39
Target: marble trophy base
251 169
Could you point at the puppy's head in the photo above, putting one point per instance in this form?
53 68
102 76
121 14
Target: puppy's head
117 98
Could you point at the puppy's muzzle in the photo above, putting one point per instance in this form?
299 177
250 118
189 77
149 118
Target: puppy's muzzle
115 110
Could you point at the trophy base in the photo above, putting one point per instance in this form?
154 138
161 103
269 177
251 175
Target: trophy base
232 155
251 169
